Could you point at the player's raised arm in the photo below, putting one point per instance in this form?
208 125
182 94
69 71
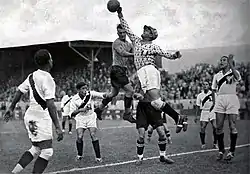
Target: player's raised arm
98 94
231 64
166 54
126 27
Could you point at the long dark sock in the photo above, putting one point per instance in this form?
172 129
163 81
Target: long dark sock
70 127
40 165
233 138
140 148
220 138
63 124
202 137
171 112
79 147
215 136
96 147
26 158
162 146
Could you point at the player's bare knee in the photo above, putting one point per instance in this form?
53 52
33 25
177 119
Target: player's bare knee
93 136
34 150
233 129
141 138
46 153
162 136
70 121
129 94
161 133
157 104
79 136
219 130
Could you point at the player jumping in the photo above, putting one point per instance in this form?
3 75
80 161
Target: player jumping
204 103
145 53
226 103
40 114
122 51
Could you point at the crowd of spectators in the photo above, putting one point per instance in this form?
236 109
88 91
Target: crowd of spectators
183 85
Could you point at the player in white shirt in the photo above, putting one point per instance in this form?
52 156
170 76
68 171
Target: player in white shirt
204 104
226 103
40 114
65 108
82 110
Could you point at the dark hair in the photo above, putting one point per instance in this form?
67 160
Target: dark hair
42 57
119 26
80 84
227 58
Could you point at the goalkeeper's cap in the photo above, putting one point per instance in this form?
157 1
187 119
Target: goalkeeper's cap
153 31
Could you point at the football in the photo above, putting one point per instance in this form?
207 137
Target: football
113 5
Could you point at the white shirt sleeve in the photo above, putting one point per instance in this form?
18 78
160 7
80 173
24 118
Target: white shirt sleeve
24 87
198 100
97 94
214 82
73 105
49 87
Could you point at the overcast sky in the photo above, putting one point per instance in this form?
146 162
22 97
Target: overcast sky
180 23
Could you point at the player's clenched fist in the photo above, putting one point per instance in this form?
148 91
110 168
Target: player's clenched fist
59 134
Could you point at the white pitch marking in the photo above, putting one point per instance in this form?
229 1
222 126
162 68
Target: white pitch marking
104 128
133 161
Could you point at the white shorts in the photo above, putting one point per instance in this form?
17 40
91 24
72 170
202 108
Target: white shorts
149 77
86 121
227 104
39 125
66 112
207 116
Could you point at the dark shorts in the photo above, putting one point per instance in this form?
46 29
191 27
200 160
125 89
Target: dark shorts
164 118
67 117
46 144
118 76
147 115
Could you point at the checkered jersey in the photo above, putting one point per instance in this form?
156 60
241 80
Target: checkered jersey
144 53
